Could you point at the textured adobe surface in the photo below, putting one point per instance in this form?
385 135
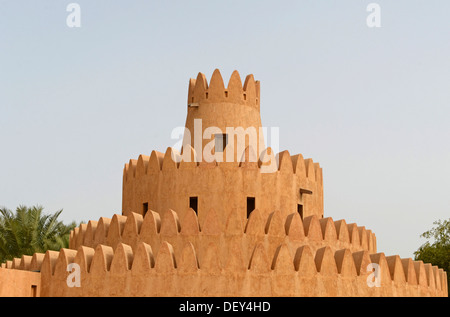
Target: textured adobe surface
159 246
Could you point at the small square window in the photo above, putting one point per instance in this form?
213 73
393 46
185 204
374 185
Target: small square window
221 142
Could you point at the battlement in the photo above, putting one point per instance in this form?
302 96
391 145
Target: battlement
270 231
200 92
197 270
303 271
267 163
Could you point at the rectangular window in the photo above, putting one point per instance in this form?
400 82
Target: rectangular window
144 209
250 205
33 290
221 141
193 203
300 210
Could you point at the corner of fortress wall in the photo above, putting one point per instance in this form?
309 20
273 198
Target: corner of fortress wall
273 256
20 277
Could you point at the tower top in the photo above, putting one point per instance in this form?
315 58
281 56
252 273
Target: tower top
215 92
231 116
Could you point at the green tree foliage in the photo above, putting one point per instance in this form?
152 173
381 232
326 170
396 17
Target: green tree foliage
436 252
29 231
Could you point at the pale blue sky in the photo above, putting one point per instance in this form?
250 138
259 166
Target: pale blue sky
371 105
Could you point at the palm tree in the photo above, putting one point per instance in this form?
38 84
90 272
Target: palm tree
29 231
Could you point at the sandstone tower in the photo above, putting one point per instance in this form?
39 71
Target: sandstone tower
229 180
225 216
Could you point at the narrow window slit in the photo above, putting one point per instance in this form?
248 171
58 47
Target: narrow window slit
193 203
144 208
300 210
250 205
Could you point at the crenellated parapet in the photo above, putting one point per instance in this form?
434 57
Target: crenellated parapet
202 92
268 257
282 271
196 270
274 182
26 262
271 231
